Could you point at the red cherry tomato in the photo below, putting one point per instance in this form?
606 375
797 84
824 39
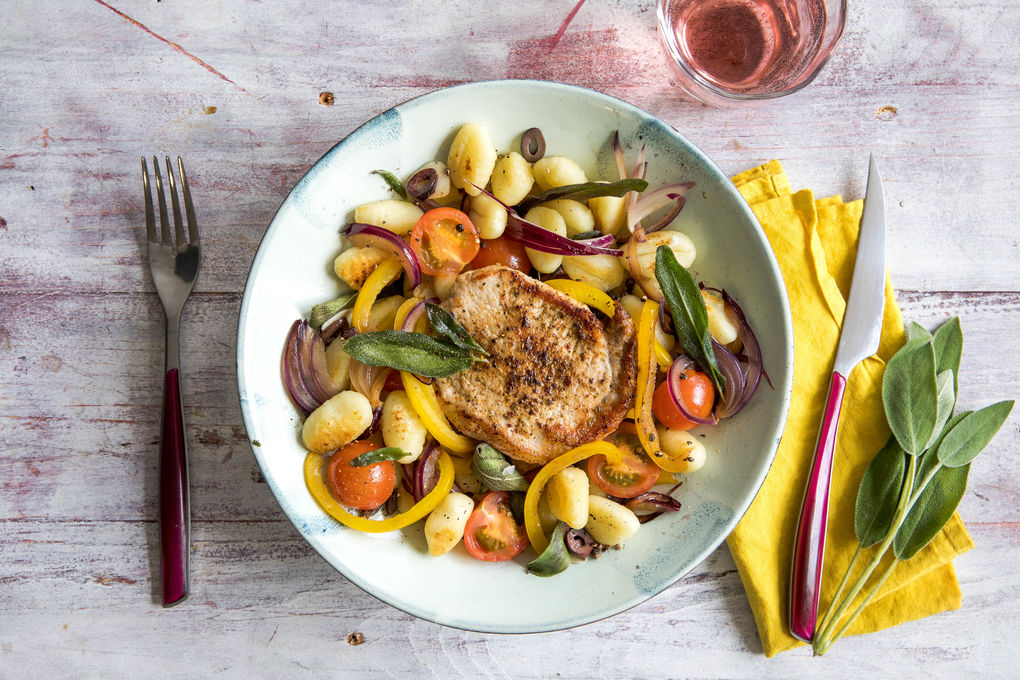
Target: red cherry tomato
362 488
491 534
502 251
631 477
444 241
698 394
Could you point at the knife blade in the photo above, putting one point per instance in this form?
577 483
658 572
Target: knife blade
859 339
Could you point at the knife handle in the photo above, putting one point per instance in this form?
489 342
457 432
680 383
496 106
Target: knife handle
174 515
809 549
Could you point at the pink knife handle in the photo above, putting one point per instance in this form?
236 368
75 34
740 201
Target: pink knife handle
173 495
806 575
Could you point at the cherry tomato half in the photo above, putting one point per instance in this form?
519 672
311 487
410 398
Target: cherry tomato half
632 476
502 251
491 534
444 241
698 394
361 488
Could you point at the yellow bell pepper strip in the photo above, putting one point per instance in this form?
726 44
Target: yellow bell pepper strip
314 464
662 355
643 420
403 311
531 522
426 405
384 274
665 477
586 294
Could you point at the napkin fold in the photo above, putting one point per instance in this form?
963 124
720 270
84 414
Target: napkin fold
815 242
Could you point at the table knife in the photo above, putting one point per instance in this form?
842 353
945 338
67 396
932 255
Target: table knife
859 338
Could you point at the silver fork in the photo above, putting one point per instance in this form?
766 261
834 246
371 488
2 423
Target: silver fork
174 269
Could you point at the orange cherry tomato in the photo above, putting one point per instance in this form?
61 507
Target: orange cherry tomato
502 251
444 239
698 394
361 488
491 534
632 476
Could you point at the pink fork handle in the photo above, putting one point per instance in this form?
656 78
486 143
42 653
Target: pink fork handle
173 495
809 550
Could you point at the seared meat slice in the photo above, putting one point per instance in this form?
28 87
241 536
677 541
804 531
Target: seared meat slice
558 374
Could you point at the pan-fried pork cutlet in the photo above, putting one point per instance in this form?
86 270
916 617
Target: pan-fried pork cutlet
558 375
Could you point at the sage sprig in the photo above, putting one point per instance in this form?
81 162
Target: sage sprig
690 315
444 323
324 311
378 456
393 181
407 351
494 471
555 558
914 484
582 192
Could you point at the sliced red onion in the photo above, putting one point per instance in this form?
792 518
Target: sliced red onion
370 235
754 359
368 380
641 167
673 378
655 200
734 374
666 320
412 317
426 472
599 241
373 427
304 367
637 272
652 504
535 237
621 164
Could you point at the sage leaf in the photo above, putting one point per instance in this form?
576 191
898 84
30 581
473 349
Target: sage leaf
582 192
445 324
690 317
555 558
910 395
395 184
933 508
378 456
494 471
879 493
324 311
972 434
946 403
948 342
405 351
916 331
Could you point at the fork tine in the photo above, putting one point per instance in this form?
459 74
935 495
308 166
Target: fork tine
189 209
175 204
150 217
164 221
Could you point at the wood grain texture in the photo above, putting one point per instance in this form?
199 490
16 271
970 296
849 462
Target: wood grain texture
931 86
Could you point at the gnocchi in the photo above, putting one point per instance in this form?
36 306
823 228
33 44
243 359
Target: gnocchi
719 324
353 265
568 496
681 446
338 365
443 184
609 213
337 422
445 525
471 159
547 218
401 427
557 171
678 242
576 215
605 272
396 216
488 216
609 522
511 179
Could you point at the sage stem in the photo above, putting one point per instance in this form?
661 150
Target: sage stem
839 591
901 513
864 603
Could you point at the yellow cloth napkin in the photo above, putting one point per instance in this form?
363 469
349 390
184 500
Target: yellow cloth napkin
815 242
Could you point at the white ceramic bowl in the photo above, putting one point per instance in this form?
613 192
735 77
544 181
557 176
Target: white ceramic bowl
292 271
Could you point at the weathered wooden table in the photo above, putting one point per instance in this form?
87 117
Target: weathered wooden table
931 86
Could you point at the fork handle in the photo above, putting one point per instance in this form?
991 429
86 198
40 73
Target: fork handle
809 549
174 516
